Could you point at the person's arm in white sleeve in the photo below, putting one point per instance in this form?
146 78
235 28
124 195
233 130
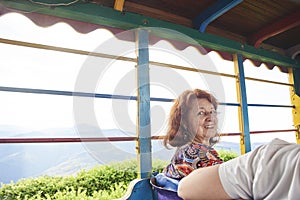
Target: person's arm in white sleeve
203 183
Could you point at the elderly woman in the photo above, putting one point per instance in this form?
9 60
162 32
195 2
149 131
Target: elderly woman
193 131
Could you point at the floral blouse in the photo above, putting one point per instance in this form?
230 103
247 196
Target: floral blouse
190 157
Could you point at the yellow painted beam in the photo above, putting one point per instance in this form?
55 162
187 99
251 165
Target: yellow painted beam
295 100
119 5
239 100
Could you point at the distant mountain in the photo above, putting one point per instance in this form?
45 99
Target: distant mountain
9 130
71 165
32 160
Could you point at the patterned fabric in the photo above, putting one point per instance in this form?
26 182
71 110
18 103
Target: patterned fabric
190 157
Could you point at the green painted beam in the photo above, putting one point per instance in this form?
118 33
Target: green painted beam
93 13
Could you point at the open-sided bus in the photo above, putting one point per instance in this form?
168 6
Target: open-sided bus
263 32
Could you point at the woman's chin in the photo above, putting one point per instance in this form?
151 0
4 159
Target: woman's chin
210 133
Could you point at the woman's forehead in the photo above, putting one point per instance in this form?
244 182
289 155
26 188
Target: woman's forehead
202 103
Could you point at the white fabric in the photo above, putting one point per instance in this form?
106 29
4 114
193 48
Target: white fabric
271 171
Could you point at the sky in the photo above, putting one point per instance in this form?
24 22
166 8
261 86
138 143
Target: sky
43 69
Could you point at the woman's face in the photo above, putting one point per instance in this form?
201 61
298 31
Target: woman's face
202 119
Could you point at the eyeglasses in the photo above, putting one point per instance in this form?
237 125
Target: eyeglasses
206 113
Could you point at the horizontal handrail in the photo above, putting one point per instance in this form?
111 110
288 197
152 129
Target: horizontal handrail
103 55
65 50
61 140
273 131
271 105
268 81
110 139
113 96
77 94
66 93
258 132
229 134
191 69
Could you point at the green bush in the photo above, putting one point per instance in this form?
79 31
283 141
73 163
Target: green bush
107 181
227 155
103 182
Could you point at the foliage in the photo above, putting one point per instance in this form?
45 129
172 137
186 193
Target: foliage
227 155
103 182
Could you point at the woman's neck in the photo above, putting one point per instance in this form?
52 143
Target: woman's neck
201 141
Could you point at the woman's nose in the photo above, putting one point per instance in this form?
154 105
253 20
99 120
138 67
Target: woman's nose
208 117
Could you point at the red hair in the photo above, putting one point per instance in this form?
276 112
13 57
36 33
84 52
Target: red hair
177 134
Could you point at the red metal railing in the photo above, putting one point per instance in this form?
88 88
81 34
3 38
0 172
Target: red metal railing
111 139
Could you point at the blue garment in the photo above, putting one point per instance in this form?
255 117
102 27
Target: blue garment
166 182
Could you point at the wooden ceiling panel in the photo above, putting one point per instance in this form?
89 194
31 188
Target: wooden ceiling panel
286 39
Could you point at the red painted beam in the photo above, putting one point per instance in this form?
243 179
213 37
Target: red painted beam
57 140
109 139
258 132
273 131
280 26
229 134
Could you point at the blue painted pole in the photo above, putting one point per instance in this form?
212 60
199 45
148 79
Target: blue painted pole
246 143
143 101
213 12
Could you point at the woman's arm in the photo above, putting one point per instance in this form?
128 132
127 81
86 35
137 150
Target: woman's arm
203 183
